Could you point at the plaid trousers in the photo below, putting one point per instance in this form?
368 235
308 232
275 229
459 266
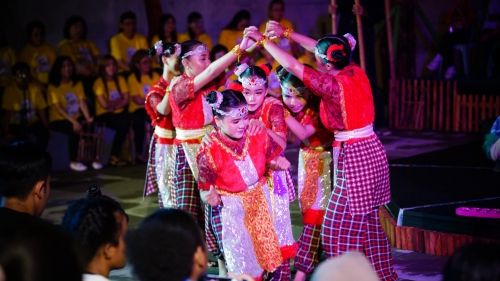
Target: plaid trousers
309 248
186 191
282 272
213 230
344 232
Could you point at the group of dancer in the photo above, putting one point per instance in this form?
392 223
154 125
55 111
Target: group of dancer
219 155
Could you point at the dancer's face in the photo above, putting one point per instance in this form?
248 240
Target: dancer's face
196 64
255 95
293 99
233 127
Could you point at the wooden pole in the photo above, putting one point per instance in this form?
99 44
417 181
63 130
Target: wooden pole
333 11
361 42
388 24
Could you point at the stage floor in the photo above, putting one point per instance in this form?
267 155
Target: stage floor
125 184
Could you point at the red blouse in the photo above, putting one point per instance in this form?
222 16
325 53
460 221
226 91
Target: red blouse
227 164
272 113
189 108
322 136
154 97
346 98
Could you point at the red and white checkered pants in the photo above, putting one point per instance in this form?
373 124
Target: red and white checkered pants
186 190
344 232
309 248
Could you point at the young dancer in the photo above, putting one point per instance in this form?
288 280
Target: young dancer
361 172
232 179
314 176
161 151
268 113
67 107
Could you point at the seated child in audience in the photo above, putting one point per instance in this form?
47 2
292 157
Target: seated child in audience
196 31
127 42
98 226
37 54
140 82
24 108
112 96
82 51
67 107
474 262
233 33
166 33
275 12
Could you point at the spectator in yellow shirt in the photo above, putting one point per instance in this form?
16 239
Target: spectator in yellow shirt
196 31
232 34
275 12
75 45
7 60
37 54
112 96
166 33
127 42
140 82
23 108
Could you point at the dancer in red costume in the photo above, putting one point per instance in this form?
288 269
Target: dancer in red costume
361 173
315 158
232 167
161 151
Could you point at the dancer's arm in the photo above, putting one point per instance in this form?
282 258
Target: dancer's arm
275 29
301 131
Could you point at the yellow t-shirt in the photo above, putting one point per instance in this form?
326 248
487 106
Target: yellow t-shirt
13 101
123 48
111 95
7 61
272 80
40 60
229 38
140 88
204 38
83 51
68 95
304 59
283 43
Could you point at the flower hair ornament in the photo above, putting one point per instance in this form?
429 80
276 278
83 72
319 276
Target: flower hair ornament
330 56
235 86
240 69
199 49
218 100
177 50
159 47
352 41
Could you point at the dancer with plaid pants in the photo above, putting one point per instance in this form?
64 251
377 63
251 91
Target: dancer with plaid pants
232 167
161 150
361 173
314 175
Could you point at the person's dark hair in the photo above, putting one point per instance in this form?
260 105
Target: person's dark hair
239 16
217 48
127 15
187 46
231 99
286 77
101 62
341 57
32 26
168 233
168 50
474 262
136 58
92 223
22 165
70 22
161 33
261 71
193 17
271 5
20 66
55 72
38 252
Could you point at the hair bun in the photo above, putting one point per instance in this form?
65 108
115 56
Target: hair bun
338 55
235 86
152 52
267 67
211 97
281 72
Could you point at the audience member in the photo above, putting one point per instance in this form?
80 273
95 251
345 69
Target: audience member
67 107
75 45
491 145
232 34
168 233
275 12
140 82
196 31
166 33
460 20
37 54
474 262
8 58
350 266
112 97
124 45
98 226
24 108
